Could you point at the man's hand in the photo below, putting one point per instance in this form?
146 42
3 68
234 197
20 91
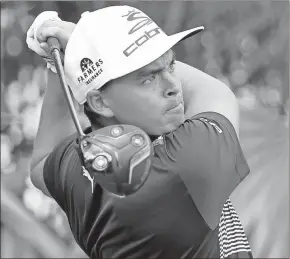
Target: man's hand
48 24
55 28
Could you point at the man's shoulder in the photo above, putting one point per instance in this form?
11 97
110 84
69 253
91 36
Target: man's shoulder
217 121
211 126
206 153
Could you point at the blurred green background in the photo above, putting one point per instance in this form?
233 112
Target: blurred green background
245 44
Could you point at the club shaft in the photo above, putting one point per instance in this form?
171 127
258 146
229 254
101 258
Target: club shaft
58 64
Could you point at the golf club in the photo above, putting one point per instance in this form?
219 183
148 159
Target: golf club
118 157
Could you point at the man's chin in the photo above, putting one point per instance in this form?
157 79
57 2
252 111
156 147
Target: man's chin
157 130
173 125
177 122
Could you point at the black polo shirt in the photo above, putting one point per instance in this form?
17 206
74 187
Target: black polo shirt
176 212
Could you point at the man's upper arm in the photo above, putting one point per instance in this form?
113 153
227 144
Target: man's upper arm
46 175
205 152
204 93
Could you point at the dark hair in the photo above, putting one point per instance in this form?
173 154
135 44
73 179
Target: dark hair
92 116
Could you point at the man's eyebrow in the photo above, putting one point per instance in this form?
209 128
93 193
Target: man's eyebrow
146 72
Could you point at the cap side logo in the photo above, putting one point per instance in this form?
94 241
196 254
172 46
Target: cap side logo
90 70
85 64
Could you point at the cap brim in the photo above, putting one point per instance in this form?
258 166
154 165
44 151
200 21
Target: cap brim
154 52
185 34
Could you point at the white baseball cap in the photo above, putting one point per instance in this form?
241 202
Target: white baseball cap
112 42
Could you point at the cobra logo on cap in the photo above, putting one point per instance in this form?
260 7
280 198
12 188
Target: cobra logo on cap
90 70
140 20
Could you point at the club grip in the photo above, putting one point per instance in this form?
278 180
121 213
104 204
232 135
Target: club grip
53 43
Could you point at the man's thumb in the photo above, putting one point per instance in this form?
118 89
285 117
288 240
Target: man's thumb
41 18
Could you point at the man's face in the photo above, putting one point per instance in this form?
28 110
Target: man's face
150 98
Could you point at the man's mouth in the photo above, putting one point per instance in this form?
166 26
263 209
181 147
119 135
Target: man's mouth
177 107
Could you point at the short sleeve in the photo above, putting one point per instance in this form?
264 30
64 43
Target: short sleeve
53 172
205 152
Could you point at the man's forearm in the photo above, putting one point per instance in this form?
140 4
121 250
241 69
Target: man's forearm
55 121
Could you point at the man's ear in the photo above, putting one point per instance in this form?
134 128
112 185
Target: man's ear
97 104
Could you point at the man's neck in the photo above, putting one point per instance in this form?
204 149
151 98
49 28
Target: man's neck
104 122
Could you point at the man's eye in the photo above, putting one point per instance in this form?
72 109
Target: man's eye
172 67
149 80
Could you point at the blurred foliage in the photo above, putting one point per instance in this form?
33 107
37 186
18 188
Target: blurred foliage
245 44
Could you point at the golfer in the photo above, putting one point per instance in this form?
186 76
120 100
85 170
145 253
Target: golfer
119 64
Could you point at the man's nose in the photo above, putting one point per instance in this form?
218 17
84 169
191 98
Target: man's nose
171 85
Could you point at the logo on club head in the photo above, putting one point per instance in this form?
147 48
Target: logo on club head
90 178
158 141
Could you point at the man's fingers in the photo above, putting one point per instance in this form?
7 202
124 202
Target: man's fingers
30 32
45 32
45 47
34 46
